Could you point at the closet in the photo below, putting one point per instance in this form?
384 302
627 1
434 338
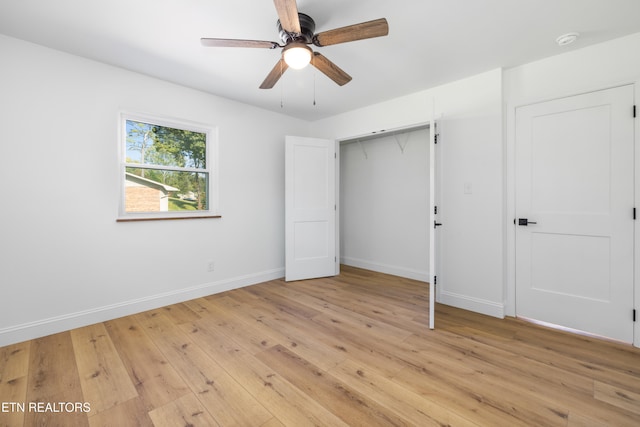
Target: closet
384 202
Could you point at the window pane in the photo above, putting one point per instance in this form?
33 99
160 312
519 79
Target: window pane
153 190
151 144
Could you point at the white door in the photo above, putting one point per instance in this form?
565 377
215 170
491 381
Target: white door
433 221
574 212
310 208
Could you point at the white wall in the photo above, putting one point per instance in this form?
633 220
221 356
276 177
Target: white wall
471 250
593 68
384 202
65 261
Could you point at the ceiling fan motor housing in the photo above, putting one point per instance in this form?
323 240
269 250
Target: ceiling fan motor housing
307 27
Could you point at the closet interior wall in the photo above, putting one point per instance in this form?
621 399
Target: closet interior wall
384 202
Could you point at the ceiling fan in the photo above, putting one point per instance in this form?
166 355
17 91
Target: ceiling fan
297 32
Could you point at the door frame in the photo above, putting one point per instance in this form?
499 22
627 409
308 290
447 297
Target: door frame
510 197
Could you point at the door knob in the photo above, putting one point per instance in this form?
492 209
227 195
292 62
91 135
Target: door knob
525 221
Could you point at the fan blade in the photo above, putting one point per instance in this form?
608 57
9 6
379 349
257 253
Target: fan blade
330 69
274 75
238 43
288 15
364 30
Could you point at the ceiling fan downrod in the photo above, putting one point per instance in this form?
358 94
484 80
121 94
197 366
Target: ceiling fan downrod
307 30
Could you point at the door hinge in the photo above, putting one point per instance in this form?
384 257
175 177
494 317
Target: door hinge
435 210
435 280
634 111
435 139
634 213
634 314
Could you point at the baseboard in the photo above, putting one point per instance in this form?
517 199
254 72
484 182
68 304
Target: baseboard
44 327
477 305
423 276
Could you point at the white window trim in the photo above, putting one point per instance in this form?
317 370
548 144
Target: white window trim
211 159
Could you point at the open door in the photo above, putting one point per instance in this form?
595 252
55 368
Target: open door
433 221
310 208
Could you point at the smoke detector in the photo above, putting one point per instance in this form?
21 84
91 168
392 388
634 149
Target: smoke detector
566 39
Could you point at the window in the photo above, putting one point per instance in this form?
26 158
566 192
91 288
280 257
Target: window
166 169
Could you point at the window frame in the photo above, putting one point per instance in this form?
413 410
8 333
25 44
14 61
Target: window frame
211 163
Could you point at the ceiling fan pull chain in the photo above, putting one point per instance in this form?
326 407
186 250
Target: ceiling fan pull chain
314 87
281 88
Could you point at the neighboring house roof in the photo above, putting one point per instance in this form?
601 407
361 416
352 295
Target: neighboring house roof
149 183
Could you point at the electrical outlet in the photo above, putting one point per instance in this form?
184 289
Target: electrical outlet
211 266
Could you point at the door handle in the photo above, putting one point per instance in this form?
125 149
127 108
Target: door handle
436 224
525 221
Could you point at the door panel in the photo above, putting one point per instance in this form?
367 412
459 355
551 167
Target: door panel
310 216
574 176
574 184
433 131
572 265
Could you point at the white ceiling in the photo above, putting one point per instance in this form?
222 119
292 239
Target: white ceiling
430 42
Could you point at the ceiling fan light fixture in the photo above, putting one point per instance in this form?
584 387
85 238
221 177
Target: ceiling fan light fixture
297 55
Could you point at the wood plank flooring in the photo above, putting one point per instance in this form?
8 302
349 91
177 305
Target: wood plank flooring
352 350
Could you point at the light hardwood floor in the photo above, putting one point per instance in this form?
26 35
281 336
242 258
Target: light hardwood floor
352 350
